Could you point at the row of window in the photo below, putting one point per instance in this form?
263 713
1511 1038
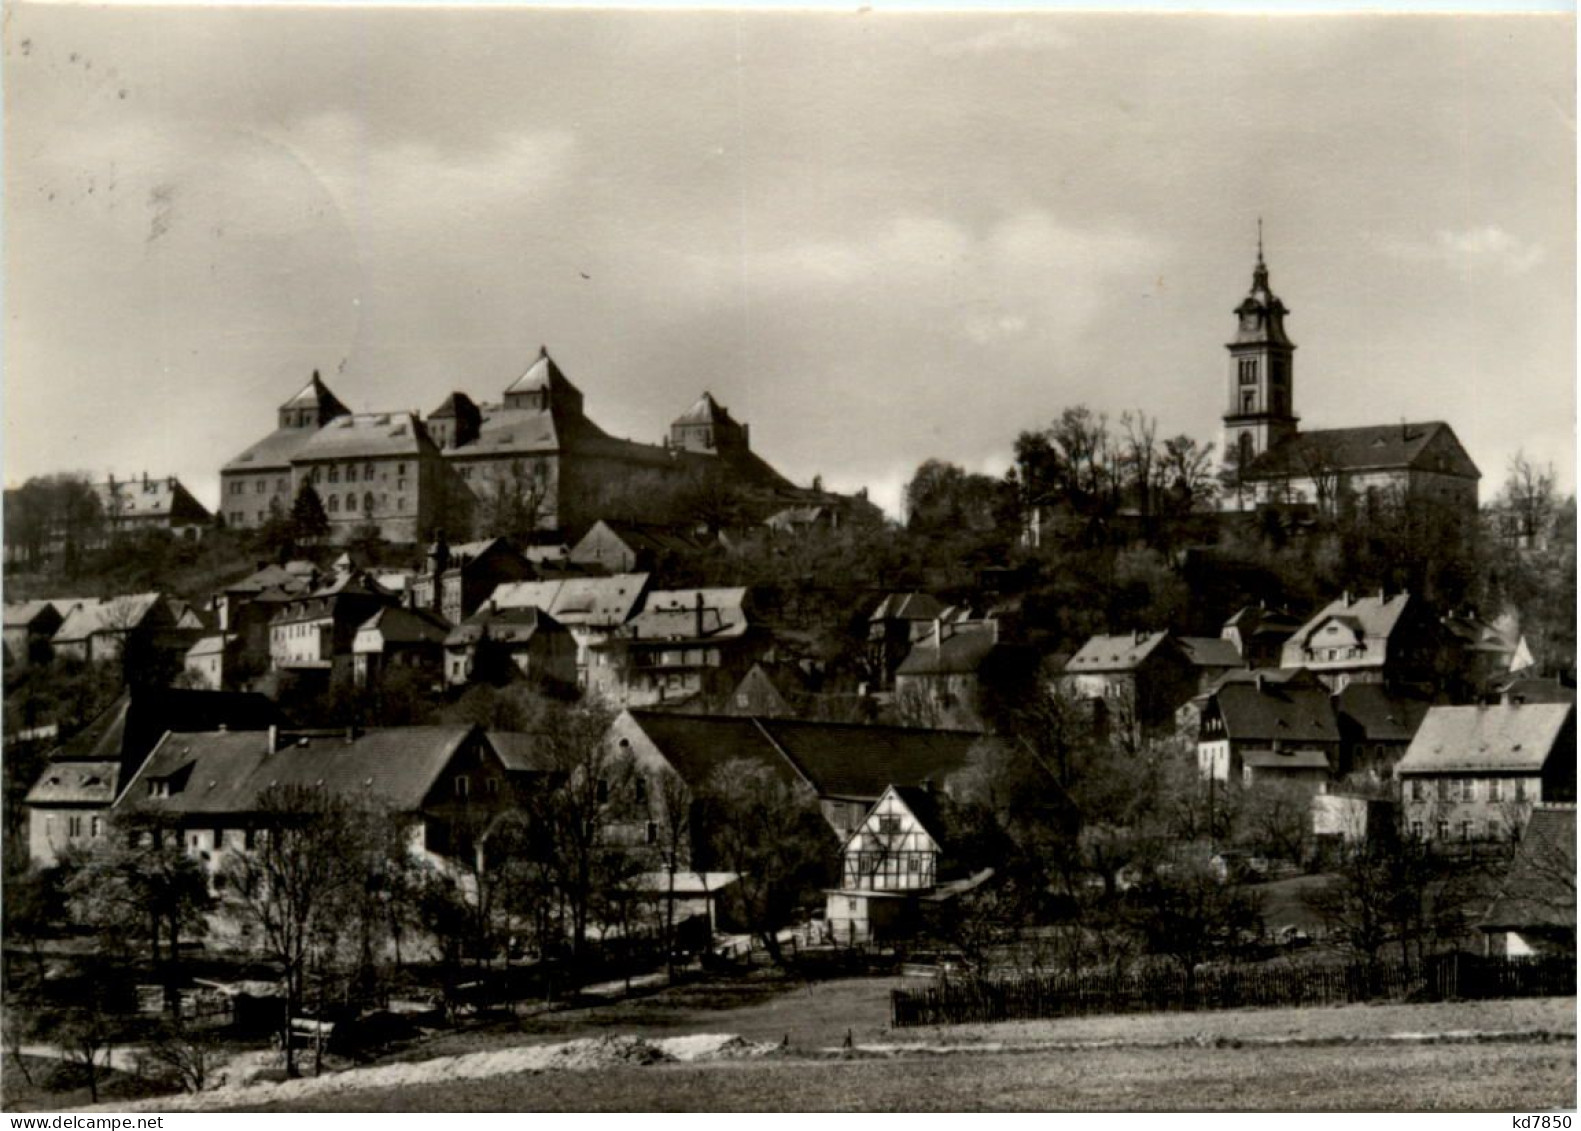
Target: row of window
1465 832
335 506
77 824
331 473
1468 789
260 486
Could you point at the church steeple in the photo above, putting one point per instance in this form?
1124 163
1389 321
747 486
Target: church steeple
1260 411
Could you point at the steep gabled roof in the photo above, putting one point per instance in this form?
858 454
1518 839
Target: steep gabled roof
119 614
1501 737
27 614
397 625
227 772
317 394
964 651
543 373
1115 653
1369 619
696 746
1381 715
575 601
1539 890
1211 652
1429 446
1276 714
76 783
690 614
705 410
857 761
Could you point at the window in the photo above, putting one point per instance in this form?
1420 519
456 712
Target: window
1443 830
1418 789
367 503
282 485
466 473
260 487
97 827
1443 789
334 504
913 862
334 473
1416 830
653 832
640 788
219 837
888 824
463 785
400 484
1469 787
1465 830
74 827
1248 371
1520 789
602 791
249 839
237 486
400 469
351 504
850 905
491 786
1249 401
367 473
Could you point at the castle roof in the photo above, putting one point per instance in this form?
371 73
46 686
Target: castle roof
316 393
367 435
543 373
275 450
705 410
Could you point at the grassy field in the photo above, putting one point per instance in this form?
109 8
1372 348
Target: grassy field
1010 1066
1357 1078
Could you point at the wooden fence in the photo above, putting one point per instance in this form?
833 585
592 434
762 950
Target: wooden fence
1162 989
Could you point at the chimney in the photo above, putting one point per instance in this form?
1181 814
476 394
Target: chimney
145 480
1349 600
699 608
274 738
1382 596
1259 681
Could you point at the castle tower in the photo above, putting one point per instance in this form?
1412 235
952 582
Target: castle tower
543 388
708 427
1260 410
314 407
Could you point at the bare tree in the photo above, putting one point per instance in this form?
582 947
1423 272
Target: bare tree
1528 499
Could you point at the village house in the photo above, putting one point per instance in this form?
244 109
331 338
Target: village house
1534 912
313 633
1474 773
1133 683
1376 726
591 608
612 546
947 676
151 625
846 766
456 580
215 662
1264 731
1369 639
497 645
893 628
684 644
1259 634
399 638
29 626
130 506
897 860
445 784
1486 652
772 691
69 802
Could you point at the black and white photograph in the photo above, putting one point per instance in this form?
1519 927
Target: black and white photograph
883 559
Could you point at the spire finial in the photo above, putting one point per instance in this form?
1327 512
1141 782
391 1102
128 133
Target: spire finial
1259 241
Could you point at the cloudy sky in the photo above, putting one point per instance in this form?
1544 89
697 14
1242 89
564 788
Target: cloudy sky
876 237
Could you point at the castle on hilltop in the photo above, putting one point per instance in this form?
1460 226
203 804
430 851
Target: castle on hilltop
1272 462
410 476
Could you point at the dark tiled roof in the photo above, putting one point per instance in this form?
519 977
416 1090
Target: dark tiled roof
397 625
697 745
1537 691
1382 716
1429 446
1539 890
851 760
1280 760
511 626
1273 713
1211 652
964 652
226 772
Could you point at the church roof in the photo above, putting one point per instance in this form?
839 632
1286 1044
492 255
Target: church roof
1429 446
275 450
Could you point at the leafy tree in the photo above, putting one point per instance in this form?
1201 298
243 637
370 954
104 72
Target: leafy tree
672 847
309 519
139 881
771 833
1186 910
288 889
945 499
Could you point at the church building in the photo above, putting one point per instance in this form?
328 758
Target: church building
1335 470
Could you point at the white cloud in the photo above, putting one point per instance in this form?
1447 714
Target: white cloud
1489 246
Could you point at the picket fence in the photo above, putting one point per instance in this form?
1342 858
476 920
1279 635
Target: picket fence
1164 989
